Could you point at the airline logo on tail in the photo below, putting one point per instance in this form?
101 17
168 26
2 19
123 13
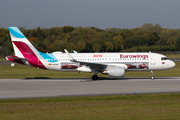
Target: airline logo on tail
23 49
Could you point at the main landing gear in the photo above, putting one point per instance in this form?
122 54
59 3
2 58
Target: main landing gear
95 77
152 75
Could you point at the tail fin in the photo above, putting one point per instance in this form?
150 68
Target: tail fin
22 46
24 50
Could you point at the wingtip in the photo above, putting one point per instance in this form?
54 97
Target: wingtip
65 50
69 56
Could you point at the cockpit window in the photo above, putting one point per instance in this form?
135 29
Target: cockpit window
164 58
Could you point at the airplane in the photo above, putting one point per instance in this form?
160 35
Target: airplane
112 64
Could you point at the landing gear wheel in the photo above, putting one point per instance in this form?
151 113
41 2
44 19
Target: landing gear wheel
152 75
94 77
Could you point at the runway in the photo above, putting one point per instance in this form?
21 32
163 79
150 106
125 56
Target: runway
36 88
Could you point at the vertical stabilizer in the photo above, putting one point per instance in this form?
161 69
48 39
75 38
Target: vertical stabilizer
24 49
20 43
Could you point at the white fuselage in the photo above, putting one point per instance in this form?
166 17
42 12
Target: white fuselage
134 61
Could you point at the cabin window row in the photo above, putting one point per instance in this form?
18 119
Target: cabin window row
114 59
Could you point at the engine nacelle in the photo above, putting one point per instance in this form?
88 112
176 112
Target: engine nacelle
116 72
84 69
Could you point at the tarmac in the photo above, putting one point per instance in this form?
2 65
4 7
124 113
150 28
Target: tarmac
64 87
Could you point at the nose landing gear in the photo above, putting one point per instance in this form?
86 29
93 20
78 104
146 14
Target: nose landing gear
152 75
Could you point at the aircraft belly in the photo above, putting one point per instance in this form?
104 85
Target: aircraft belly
138 70
68 70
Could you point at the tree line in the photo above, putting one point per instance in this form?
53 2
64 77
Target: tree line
146 38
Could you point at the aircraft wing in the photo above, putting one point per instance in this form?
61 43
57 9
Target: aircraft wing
96 66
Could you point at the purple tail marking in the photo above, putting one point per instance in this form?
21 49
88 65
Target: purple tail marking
29 54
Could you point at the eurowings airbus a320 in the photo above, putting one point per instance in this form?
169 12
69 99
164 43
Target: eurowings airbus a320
112 64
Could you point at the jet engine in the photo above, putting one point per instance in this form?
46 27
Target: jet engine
116 72
84 69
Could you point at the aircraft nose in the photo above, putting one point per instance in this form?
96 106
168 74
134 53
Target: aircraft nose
172 64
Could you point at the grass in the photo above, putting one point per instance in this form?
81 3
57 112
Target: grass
2 59
21 71
121 107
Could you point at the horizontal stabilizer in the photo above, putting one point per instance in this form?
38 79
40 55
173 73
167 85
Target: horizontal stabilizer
15 57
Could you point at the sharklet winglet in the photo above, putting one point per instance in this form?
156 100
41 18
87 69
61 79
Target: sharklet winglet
69 56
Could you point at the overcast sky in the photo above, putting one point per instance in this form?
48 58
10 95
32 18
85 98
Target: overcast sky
88 13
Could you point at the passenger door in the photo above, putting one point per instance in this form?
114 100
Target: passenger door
152 59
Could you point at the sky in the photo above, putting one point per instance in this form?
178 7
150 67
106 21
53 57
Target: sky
89 13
